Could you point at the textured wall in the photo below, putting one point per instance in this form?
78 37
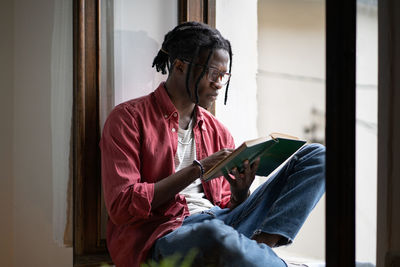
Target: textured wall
34 243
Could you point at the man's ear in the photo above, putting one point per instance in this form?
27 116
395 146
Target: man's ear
179 65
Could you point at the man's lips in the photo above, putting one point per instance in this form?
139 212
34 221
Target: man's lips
213 96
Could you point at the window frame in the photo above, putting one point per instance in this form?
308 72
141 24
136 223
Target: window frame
340 133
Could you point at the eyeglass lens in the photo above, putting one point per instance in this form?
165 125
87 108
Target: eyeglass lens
216 76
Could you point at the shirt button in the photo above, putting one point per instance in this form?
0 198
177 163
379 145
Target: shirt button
165 116
175 115
173 130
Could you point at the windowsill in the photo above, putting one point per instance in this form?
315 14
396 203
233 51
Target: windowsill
93 260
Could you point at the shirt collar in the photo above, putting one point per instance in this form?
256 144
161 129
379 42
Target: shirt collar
167 107
165 103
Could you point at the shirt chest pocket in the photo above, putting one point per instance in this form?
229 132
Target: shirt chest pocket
157 159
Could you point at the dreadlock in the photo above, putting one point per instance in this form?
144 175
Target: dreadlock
186 42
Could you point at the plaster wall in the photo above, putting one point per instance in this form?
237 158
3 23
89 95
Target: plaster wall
33 239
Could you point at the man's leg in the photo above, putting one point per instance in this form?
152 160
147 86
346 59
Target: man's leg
215 244
279 207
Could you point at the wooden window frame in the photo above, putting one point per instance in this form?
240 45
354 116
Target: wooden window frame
89 249
388 213
340 132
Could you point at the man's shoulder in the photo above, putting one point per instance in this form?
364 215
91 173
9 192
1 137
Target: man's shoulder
134 105
129 111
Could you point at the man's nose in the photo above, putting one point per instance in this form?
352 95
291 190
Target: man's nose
218 85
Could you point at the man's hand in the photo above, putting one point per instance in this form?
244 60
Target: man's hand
210 161
241 181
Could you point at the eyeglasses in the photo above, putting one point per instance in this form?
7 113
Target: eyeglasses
215 75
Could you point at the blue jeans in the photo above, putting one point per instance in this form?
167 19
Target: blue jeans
222 237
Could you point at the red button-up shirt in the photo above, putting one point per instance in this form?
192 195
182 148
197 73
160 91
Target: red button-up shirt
138 146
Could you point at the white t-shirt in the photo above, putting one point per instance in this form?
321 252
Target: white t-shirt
185 154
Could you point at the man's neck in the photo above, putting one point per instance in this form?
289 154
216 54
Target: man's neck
181 101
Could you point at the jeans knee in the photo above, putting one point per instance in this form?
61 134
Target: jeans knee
316 148
312 159
211 229
214 248
314 152
320 148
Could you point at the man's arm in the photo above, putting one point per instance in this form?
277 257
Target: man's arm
167 188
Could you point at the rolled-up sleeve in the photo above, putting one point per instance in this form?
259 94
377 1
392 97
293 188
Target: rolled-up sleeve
127 198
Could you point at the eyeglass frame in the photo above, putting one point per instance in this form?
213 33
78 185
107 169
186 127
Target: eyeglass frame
215 69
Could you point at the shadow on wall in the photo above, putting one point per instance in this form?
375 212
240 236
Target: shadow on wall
134 54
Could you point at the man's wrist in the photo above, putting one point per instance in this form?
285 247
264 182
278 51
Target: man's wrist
237 198
200 166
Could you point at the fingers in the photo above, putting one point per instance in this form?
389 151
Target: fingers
254 166
230 150
223 153
247 170
229 178
213 159
247 176
233 181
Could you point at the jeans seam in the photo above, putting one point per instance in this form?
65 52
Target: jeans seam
209 212
245 214
285 233
259 199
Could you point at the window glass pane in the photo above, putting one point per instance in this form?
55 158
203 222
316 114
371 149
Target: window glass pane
366 129
291 94
132 34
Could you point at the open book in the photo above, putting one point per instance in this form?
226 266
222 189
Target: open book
273 150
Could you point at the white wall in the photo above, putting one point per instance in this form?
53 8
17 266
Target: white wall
61 120
32 189
6 132
240 113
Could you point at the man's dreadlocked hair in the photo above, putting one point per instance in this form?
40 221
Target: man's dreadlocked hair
185 42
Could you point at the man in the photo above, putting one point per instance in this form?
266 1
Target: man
155 149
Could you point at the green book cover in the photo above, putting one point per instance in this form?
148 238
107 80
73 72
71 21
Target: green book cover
272 150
